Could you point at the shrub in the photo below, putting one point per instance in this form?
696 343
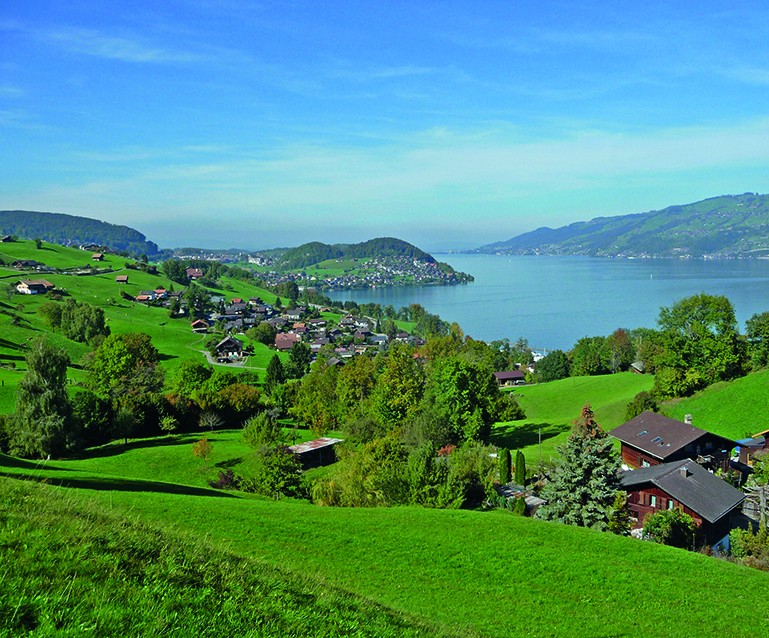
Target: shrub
670 527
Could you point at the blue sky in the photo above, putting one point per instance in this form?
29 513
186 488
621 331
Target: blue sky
225 123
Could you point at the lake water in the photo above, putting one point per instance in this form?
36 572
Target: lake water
554 301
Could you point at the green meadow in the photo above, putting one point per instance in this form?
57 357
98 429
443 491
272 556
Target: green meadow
440 572
551 409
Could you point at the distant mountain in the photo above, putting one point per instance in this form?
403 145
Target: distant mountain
724 227
72 230
315 252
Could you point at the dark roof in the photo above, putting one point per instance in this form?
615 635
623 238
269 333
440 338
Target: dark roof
690 484
229 341
660 436
509 375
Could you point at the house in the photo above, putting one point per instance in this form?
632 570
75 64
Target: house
293 315
286 341
121 279
98 257
199 326
6 238
194 273
687 486
229 348
34 286
160 292
651 439
145 296
27 263
510 377
316 453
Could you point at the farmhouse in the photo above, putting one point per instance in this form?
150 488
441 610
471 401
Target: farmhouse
121 279
98 256
684 485
146 296
510 377
229 348
194 273
33 286
199 326
651 439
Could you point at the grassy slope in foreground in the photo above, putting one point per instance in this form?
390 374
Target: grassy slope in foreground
488 572
70 568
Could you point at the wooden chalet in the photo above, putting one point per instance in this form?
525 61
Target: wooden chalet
194 273
687 486
199 326
510 377
34 286
229 348
651 439
121 279
97 257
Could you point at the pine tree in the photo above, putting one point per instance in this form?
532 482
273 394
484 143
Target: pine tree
582 488
275 374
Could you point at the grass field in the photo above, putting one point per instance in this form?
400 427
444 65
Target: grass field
553 407
735 409
462 572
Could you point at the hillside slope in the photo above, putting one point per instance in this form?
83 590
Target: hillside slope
720 227
74 230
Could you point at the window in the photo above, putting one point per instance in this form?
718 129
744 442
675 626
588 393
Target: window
653 501
671 504
645 463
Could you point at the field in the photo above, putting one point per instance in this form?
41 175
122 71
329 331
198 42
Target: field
553 407
451 572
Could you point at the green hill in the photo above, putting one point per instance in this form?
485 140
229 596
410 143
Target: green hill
150 542
721 227
74 230
316 252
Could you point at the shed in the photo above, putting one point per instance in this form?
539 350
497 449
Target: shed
316 452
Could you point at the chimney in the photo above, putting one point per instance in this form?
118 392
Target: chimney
684 471
688 419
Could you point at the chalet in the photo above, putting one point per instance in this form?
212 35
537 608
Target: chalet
277 322
362 335
160 292
651 439
121 279
347 323
98 257
317 324
34 286
315 453
378 340
293 315
199 326
510 377
235 300
6 238
684 485
229 348
27 263
238 309
316 345
194 273
145 296
286 341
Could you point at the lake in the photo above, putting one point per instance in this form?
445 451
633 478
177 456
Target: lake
554 301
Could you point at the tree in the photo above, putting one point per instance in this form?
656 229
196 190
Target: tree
582 487
670 527
757 335
316 403
263 430
399 387
198 300
642 402
505 465
125 363
620 350
589 357
275 374
520 468
202 449
701 340
189 377
264 333
42 425
553 366
299 358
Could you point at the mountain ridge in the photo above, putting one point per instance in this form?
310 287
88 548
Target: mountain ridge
725 226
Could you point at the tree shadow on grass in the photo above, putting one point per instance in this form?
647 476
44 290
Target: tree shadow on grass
517 435
114 449
25 464
120 485
229 463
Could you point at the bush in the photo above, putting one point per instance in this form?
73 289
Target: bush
671 527
278 474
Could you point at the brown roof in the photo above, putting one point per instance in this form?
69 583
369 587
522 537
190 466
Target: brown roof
121 278
660 436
